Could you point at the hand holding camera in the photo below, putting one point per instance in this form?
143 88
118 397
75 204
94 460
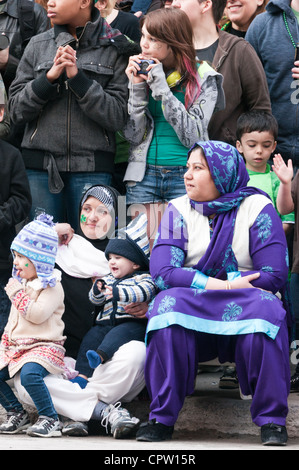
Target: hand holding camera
139 67
144 66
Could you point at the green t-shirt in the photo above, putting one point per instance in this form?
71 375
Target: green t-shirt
269 183
122 148
296 13
165 148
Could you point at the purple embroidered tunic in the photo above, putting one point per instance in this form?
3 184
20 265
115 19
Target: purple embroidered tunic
246 237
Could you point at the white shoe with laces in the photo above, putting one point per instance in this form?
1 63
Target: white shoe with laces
119 420
45 427
15 422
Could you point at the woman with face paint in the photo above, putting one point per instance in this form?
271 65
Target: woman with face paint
81 258
171 100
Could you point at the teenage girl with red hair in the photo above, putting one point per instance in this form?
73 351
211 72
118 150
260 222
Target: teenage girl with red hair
170 106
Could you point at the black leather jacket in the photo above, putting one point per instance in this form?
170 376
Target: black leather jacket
10 25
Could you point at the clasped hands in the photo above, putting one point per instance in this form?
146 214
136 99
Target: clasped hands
65 60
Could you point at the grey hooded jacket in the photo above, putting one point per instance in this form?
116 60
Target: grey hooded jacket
71 124
190 125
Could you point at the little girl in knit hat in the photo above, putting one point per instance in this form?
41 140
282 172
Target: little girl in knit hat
32 342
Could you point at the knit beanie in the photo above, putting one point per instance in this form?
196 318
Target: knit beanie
132 243
38 241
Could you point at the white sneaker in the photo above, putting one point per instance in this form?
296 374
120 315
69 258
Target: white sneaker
244 397
45 427
16 421
120 421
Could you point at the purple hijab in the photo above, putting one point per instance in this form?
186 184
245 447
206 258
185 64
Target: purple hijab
230 176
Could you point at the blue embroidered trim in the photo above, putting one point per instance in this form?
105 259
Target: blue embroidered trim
211 326
233 275
199 281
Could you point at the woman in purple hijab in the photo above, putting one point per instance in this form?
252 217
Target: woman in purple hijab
220 260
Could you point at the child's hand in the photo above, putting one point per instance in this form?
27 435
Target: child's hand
100 285
12 287
284 172
69 58
57 68
108 292
13 283
64 60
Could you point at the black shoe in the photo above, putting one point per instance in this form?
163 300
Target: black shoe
295 383
152 431
274 435
229 379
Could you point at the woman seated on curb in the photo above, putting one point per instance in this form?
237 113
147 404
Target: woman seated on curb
219 258
81 258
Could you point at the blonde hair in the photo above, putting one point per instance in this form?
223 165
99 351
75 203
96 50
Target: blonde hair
108 8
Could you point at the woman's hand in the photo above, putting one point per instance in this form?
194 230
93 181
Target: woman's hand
65 233
137 309
239 283
244 282
295 70
132 68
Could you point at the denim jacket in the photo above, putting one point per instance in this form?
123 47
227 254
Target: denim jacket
190 125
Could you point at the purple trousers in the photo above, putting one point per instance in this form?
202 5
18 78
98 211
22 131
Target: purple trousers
262 366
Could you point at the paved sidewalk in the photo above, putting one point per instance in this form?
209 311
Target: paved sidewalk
210 419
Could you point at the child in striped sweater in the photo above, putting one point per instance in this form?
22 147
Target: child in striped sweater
129 281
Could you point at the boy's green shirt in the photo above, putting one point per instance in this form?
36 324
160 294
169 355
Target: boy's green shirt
269 183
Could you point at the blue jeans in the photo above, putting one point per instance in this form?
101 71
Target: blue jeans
32 379
160 184
64 206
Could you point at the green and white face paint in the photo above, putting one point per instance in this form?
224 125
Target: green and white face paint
95 218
